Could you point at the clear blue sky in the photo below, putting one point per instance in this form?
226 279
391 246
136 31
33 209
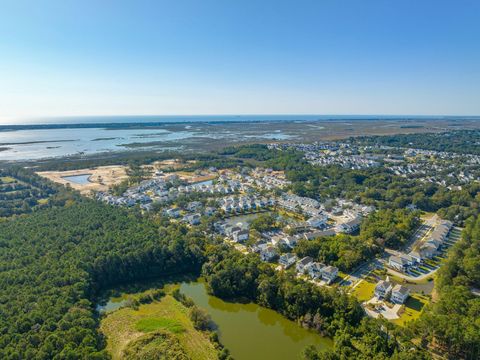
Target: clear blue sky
104 57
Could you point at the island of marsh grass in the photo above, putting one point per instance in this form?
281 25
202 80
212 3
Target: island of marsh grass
156 327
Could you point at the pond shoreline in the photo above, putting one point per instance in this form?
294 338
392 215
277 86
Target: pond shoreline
248 330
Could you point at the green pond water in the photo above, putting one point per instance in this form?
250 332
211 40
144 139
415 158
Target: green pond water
252 332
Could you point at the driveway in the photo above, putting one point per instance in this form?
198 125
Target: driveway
382 309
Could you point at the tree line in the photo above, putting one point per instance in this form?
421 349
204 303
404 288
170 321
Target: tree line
54 262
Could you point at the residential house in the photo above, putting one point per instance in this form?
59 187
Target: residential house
329 274
303 264
416 256
240 235
268 254
318 221
315 270
194 206
193 219
316 234
350 226
291 241
383 289
287 260
209 211
399 294
428 251
398 263
173 212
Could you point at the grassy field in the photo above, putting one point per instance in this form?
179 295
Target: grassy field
413 308
364 290
126 325
7 179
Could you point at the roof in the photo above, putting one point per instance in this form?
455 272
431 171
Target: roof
382 284
415 254
401 289
398 260
354 222
330 269
306 260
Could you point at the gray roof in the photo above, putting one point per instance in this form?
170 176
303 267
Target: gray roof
401 289
398 260
306 260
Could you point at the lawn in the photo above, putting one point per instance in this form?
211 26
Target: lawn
152 324
7 179
125 325
413 309
364 290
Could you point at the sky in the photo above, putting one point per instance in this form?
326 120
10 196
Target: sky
179 57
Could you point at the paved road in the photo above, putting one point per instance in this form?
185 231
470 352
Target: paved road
360 272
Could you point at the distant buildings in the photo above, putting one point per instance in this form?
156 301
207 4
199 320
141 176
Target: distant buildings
349 226
316 271
192 219
318 221
433 243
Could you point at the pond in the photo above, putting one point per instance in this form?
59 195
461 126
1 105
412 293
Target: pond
112 304
252 332
78 179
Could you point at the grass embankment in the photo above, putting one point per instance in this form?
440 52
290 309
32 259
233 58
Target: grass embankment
364 290
156 326
412 310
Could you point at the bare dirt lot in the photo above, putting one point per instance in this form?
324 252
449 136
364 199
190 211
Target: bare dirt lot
99 179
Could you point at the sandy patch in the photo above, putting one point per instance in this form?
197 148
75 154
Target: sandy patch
100 179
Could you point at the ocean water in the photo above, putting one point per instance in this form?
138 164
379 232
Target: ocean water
48 143
206 118
31 139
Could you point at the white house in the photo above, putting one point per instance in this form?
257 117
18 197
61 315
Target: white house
173 212
329 274
209 211
383 289
240 235
315 270
428 251
416 256
291 241
349 226
317 221
268 253
399 294
399 263
303 264
193 219
194 206
316 234
287 260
